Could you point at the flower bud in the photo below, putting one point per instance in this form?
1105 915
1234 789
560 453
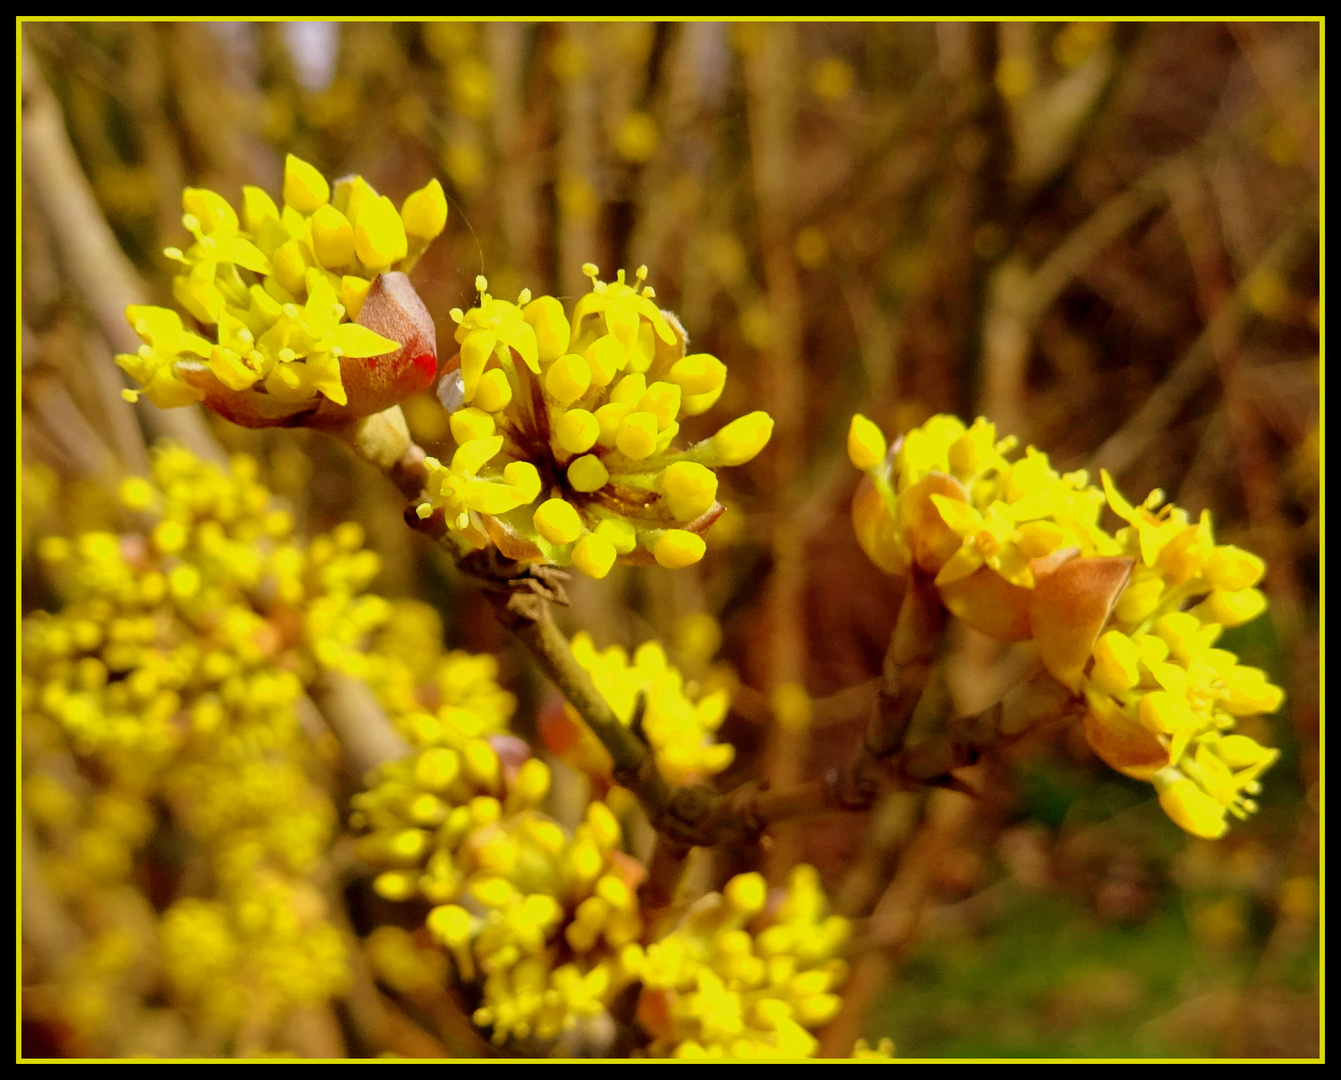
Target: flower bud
588 474
576 431
379 235
676 548
332 237
865 443
305 188
557 522
568 379
552 331
424 212
593 555
493 391
738 442
691 489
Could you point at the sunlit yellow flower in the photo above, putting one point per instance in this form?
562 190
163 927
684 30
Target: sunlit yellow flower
593 405
300 298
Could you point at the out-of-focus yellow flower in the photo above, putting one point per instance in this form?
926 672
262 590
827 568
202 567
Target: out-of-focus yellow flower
590 406
680 721
307 317
539 918
741 977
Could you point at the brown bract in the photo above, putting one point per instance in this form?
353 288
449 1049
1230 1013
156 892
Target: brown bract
1069 608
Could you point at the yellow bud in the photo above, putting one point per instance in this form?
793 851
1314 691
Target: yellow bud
964 455
408 844
741 439
746 893
523 476
619 533
437 767
588 473
606 356
1164 713
1115 662
676 548
594 555
493 391
865 443
1232 568
662 400
257 208
1241 752
557 521
450 925
170 536
603 824
332 237
637 437
290 267
1138 600
1232 608
471 423
1154 650
545 314
630 389
305 188
1176 626
698 374
1188 806
1247 692
568 379
424 212
532 782
691 489
610 418
576 431
481 762
379 235
394 885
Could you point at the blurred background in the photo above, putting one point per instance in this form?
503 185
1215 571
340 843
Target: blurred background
1102 236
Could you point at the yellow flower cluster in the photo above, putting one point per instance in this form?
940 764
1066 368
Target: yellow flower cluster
1163 700
581 412
177 665
544 922
678 719
1129 619
279 289
745 975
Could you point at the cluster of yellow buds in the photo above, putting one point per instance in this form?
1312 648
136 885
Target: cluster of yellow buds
252 958
544 922
582 413
305 311
679 720
434 697
746 974
177 664
1127 619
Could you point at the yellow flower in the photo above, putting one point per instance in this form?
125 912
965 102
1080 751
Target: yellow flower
594 405
289 297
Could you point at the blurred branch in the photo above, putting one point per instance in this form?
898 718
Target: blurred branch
88 252
770 64
1126 445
